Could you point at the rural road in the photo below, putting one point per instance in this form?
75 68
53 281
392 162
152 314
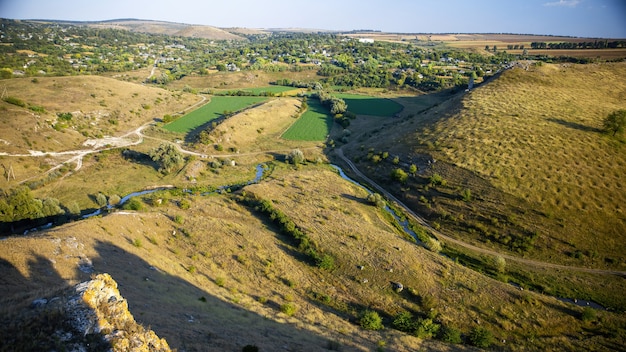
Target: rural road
442 237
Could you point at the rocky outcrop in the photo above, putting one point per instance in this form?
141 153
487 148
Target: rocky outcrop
91 316
97 309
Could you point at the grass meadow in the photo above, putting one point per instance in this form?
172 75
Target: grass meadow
368 105
216 108
537 135
313 125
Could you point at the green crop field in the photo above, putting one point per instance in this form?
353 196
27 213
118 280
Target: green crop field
211 111
313 125
368 105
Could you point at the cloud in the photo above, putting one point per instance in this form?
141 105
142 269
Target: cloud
568 3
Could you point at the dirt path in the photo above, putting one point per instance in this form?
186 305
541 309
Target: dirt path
440 236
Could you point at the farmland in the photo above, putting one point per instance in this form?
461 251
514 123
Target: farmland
367 105
217 107
313 125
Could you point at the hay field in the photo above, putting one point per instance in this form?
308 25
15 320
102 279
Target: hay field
535 134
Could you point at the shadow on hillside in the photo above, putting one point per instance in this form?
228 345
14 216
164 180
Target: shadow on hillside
32 312
190 318
574 125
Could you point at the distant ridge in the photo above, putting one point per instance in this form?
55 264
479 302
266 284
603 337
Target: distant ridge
157 27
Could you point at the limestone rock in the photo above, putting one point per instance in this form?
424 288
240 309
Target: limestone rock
97 307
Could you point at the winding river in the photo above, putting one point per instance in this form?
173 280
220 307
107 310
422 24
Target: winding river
261 172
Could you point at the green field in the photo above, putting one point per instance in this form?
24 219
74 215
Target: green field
368 105
259 90
211 111
313 125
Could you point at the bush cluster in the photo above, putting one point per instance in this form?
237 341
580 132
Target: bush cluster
288 227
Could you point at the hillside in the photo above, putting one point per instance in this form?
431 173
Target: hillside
518 165
98 107
233 285
163 27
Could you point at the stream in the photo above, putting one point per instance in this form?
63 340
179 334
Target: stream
405 226
402 222
261 170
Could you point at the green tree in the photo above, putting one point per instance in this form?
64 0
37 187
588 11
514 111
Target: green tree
404 322
51 207
20 204
376 199
615 122
481 337
370 320
101 200
399 174
167 156
450 335
295 157
413 169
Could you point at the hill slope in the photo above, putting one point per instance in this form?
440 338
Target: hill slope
168 28
221 275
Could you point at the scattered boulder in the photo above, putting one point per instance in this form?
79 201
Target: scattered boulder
398 287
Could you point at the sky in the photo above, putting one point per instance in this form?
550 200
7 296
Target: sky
577 18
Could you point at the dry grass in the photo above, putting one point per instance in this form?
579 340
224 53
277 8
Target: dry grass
259 270
535 134
247 79
100 107
259 129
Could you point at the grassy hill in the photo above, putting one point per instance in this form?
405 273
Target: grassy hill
221 275
518 165
98 107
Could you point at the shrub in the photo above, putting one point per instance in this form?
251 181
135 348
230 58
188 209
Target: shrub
404 322
220 281
370 320
114 199
466 194
36 108
15 101
376 199
426 328
436 180
399 174
133 204
588 314
295 157
450 335
64 116
179 219
433 245
326 262
480 337
289 308
101 200
137 242
499 263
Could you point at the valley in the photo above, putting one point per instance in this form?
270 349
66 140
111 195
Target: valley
512 188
